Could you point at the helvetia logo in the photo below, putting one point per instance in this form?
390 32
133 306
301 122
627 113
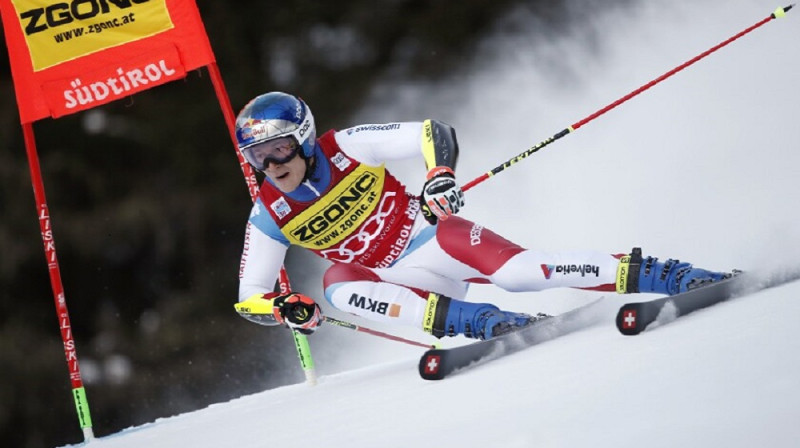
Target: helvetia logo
566 269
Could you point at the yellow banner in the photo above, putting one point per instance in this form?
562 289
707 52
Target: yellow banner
350 203
60 31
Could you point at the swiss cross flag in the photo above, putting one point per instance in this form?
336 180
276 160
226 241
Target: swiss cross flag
629 319
432 363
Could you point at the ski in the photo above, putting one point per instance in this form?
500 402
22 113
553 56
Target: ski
633 318
439 363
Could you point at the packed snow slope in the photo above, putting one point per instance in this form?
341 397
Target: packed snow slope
701 167
725 376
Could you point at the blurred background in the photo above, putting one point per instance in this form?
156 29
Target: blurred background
148 203
148 206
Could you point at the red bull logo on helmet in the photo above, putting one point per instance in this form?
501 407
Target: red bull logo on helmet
251 131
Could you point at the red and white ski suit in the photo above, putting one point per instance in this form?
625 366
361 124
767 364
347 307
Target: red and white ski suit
387 258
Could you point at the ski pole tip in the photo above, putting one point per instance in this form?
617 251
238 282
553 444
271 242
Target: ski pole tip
311 377
781 12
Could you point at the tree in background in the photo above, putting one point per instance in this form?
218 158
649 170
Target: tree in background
148 207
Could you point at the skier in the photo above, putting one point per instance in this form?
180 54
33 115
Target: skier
397 257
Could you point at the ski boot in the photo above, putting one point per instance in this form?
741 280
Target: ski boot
450 317
637 274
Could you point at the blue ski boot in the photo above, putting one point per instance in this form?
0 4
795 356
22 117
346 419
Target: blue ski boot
450 317
637 274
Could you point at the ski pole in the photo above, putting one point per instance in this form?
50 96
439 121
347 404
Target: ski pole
352 326
300 340
258 312
780 12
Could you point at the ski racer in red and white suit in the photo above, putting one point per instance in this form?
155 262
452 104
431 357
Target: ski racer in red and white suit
391 264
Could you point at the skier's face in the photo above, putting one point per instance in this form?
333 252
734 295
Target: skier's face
287 176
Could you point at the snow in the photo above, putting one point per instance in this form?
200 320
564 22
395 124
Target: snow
725 376
701 167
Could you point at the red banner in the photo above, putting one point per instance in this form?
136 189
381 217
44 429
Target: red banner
72 55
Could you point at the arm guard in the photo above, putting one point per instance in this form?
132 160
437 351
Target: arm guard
259 308
439 145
